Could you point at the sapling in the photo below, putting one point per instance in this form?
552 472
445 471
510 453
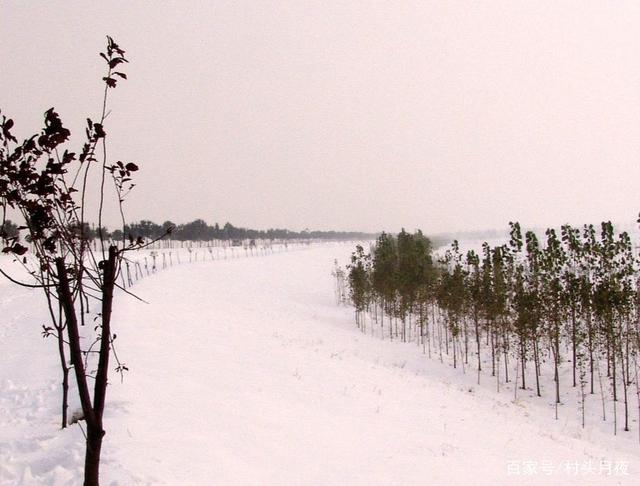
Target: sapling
47 186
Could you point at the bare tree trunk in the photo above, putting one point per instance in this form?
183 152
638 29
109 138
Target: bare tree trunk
493 354
66 300
92 414
590 331
475 323
466 340
573 342
59 327
536 363
95 431
523 360
623 369
65 381
505 348
453 344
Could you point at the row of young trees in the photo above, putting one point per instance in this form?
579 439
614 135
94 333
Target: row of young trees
568 297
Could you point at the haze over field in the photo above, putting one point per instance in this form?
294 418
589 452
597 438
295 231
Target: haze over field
349 115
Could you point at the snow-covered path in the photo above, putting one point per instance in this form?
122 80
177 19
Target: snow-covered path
246 372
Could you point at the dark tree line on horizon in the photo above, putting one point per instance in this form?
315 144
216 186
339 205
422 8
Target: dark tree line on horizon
199 230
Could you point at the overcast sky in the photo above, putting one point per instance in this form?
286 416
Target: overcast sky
440 115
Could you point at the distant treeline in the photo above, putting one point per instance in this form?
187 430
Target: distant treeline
199 230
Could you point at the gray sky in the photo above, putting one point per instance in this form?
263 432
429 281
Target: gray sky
440 115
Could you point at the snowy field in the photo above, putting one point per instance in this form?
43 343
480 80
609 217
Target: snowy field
244 371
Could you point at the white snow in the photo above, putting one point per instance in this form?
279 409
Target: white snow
245 371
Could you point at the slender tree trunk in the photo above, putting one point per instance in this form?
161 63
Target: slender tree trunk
66 300
65 380
95 431
582 394
92 414
515 388
476 324
627 360
60 327
493 354
453 344
635 364
536 363
505 348
523 359
623 370
422 331
446 340
604 410
573 342
462 361
428 332
466 340
612 357
590 331
608 345
497 344
556 364
440 340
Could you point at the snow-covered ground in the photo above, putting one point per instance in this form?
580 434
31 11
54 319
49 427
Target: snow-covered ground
245 371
